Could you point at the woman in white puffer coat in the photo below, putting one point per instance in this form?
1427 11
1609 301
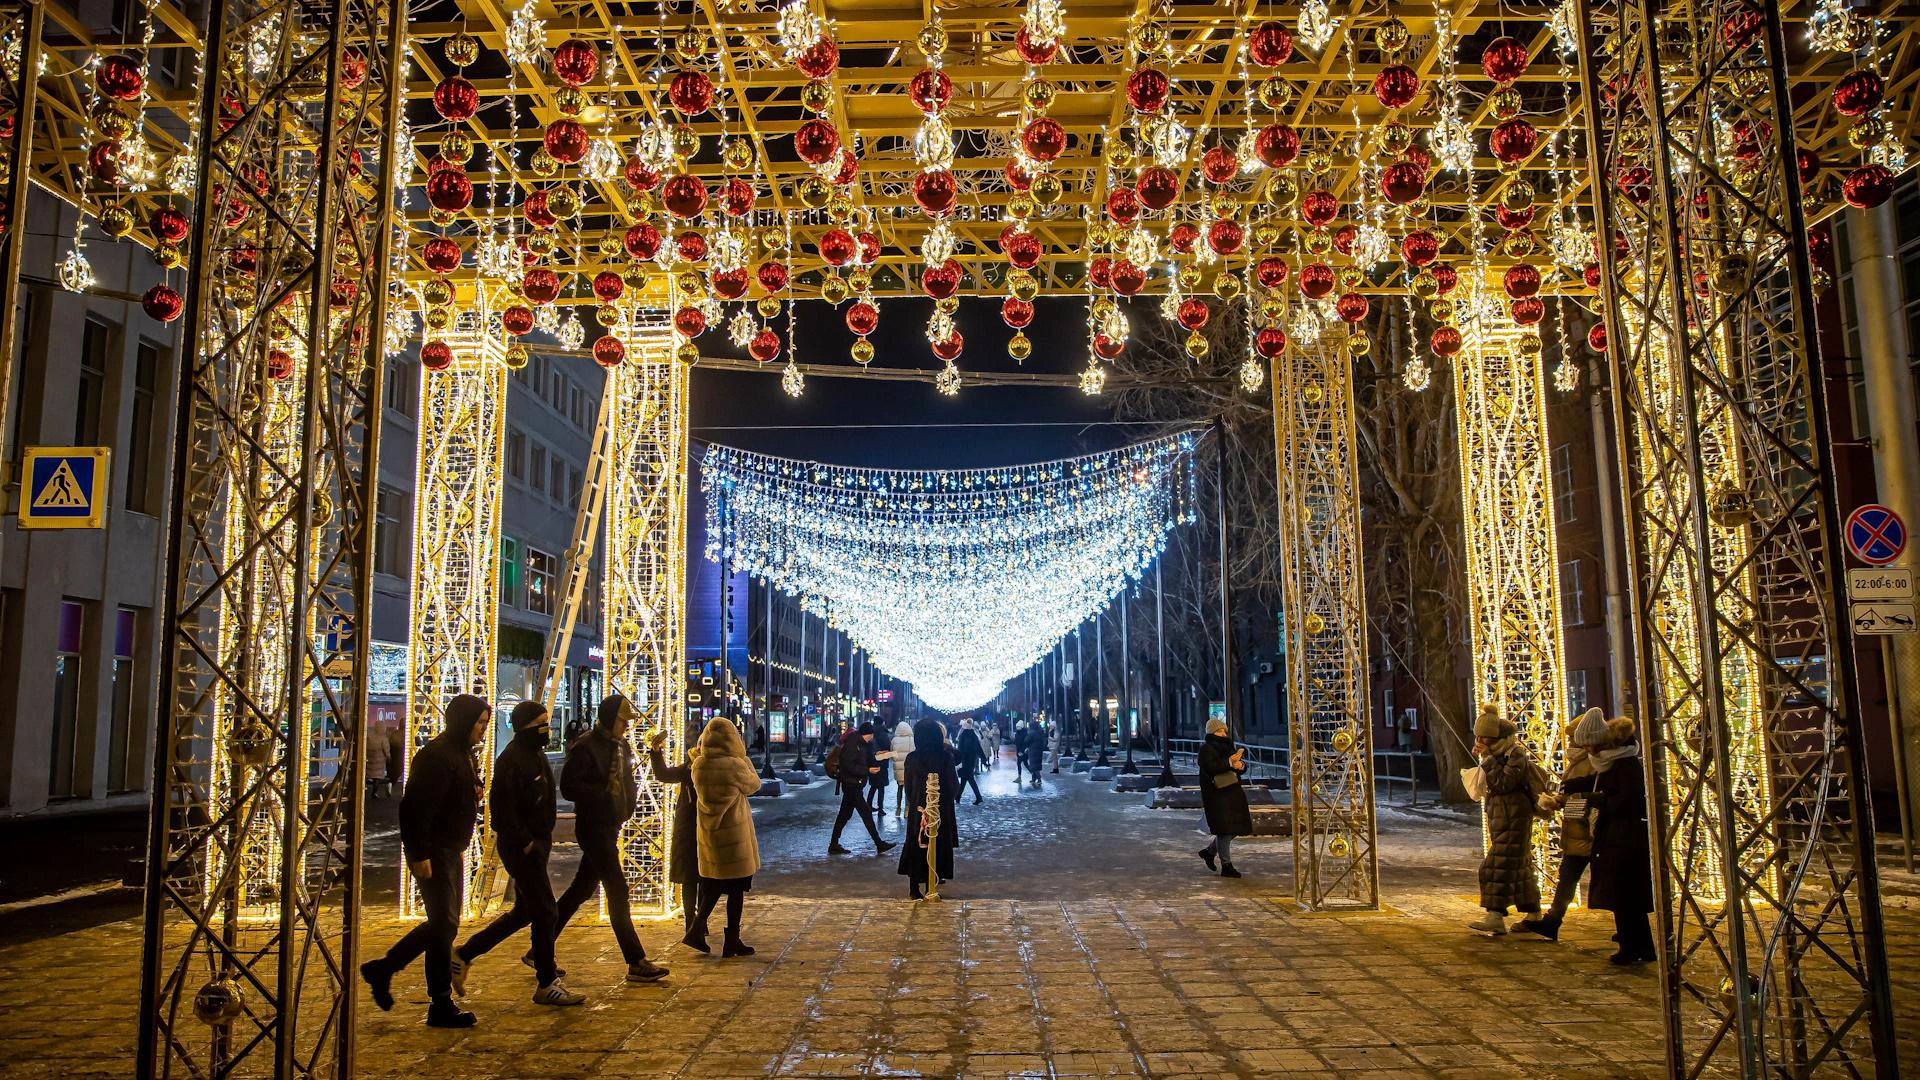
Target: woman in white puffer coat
902 746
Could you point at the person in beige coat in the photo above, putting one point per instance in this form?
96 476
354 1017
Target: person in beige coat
729 853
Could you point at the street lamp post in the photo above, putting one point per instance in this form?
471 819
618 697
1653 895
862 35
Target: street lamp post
766 684
1126 688
1163 715
1100 660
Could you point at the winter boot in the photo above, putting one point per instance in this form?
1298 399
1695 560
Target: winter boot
443 1013
1489 922
696 939
1547 926
881 847
1206 855
1227 870
380 982
733 946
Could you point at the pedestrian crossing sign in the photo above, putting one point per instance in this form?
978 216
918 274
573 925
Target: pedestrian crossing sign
64 487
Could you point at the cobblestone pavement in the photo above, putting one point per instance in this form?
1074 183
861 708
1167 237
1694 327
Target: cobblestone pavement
1081 939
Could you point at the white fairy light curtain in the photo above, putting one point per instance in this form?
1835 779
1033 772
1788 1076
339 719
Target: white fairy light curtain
954 580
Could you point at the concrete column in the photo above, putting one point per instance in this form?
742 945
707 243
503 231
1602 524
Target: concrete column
1884 354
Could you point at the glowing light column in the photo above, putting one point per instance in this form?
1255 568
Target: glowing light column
1513 571
645 584
1326 626
451 648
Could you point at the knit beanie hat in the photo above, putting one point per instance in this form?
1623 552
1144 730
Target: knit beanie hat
528 714
1490 725
1591 731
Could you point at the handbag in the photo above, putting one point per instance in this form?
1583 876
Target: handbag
1577 820
1225 779
1475 782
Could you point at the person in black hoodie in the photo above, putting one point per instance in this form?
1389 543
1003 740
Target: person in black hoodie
520 806
599 779
973 758
437 815
857 766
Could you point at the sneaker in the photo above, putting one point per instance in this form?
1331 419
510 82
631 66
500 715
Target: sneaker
380 981
556 993
1227 870
883 847
1206 855
836 849
457 971
1489 922
443 1013
527 959
646 971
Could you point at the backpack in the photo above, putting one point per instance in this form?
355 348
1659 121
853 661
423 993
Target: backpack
833 760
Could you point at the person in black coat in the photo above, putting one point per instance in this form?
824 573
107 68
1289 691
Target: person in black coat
437 816
930 757
599 778
683 858
1622 857
878 779
520 807
857 766
1019 751
973 758
1223 796
1036 751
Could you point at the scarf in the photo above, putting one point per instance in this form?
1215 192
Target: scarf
1579 763
1604 759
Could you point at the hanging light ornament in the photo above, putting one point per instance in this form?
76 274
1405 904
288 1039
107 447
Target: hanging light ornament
1317 24
792 380
526 37
1093 380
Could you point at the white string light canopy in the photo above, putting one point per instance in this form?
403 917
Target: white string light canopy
953 580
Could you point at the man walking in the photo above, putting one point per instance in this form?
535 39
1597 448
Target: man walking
973 757
1019 750
855 765
520 807
437 814
598 777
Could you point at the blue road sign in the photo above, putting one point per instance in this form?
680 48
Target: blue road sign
1876 535
64 487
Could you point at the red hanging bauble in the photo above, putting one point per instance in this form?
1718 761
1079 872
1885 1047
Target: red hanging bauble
1636 183
1591 275
683 195
1446 340
1123 206
764 347
1867 186
1127 278
455 99
772 276
941 281
540 285
690 245
1107 348
1344 238
1513 220
818 60
869 248
1016 313
948 348
1446 277
537 212
169 224
737 197
816 140
690 93
1521 279
1270 44
1044 139
1858 91
1277 145
441 255
1316 280
688 322
1504 60
435 356
1419 247
575 62
1808 162
935 191
1741 26
567 140
607 286
1351 307
836 246
1018 178
1270 342
1181 237
640 175
1219 164
1597 337
1271 272
1100 271
1527 310
642 241
608 351
162 303
280 362
1403 183
1319 206
849 168
103 161
930 89
1033 52
517 320
1023 249
1225 236
1158 187
1419 158
1192 313
1396 86
1147 90
244 260
449 191
1512 140
862 318
118 76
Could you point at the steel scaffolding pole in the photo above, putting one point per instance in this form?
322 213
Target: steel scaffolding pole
1773 959
23 97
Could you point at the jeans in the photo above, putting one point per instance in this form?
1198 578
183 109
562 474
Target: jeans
876 796
1571 869
1222 847
968 779
533 905
600 869
852 801
440 897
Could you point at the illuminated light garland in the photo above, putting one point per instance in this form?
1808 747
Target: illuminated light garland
952 580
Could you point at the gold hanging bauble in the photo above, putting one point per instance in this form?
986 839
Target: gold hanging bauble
456 147
689 284
1517 196
439 318
773 241
1225 205
563 202
1339 846
1752 83
442 218
462 49
1519 245
840 208
1023 285
1098 236
1101 309
862 351
1731 273
1047 189
687 353
813 191
438 292
737 153
514 288
1319 162
1276 93
1358 344
1225 285
1529 344
1282 189
1319 242
1020 206
1040 94
817 96
634 278
1425 285
609 246
948 304
1018 346
768 306
607 315
1395 138
1391 35
1316 623
1506 102
517 356
116 221
932 40
833 288
1313 392
1189 276
1272 307
110 119
1116 151
1196 344
860 280
1870 131
1342 741
645 204
540 242
1418 207
1149 36
1266 236
570 100
169 256
543 163
691 45
1351 278
281 328
1441 309
686 141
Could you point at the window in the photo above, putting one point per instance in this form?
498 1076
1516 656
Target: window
516 455
1573 597
1576 692
1563 482
541 571
391 549
63 781
558 488
574 480
557 395
510 581
537 474
90 391
399 389
579 408
146 388
125 747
